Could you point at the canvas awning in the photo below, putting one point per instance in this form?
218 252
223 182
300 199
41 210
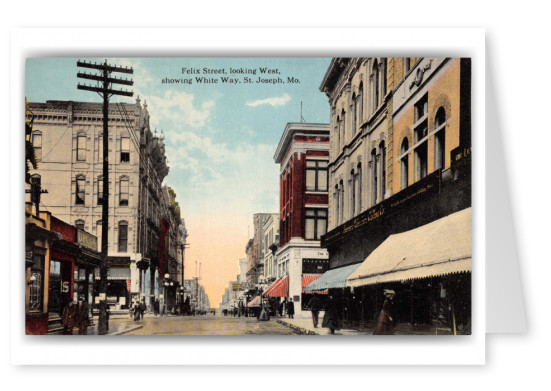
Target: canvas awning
267 292
282 289
334 278
307 279
439 248
254 302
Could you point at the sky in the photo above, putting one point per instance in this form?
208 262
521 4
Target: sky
222 119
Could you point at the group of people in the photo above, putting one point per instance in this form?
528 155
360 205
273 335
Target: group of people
288 307
332 318
138 310
76 316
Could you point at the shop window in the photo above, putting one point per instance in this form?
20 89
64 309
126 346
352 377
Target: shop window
125 149
316 175
81 147
440 139
124 185
123 236
316 223
37 145
36 294
80 190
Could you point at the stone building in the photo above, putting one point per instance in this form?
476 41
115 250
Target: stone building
399 160
68 143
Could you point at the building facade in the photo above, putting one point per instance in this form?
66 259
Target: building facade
400 159
303 157
68 142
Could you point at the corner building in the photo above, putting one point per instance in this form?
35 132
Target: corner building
399 160
303 156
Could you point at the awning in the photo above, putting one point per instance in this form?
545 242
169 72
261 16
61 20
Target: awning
267 292
254 302
438 248
307 279
282 289
334 278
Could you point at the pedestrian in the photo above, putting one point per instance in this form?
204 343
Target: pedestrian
137 312
156 307
281 305
82 316
291 309
316 306
332 319
264 314
385 322
142 308
68 318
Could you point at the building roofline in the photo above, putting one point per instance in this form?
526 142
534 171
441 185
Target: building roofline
294 128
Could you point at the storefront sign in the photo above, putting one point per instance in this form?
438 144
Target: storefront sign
65 287
237 287
87 240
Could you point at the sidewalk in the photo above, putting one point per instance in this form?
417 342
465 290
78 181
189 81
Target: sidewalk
304 325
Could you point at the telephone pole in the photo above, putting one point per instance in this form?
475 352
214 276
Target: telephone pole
104 87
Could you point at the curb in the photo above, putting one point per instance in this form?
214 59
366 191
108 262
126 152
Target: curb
300 330
127 330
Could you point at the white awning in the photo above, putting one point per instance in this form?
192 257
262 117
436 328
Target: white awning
438 248
334 278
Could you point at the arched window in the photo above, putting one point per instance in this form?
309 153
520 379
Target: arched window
382 148
336 196
359 187
352 193
338 134
374 177
343 128
382 80
36 140
359 105
404 164
341 201
375 85
440 139
123 236
80 190
81 147
124 190
80 224
354 113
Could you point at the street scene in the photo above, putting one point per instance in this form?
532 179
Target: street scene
248 196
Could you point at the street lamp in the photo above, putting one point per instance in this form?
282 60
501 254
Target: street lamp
166 284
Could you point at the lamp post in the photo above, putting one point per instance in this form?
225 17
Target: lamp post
166 284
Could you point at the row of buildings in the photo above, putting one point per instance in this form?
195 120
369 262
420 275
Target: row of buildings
146 233
379 198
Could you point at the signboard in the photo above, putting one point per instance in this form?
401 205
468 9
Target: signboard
237 287
65 287
87 240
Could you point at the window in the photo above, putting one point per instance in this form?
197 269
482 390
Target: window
404 164
440 139
100 190
123 191
80 190
352 193
406 65
37 145
337 203
359 187
375 86
382 148
125 149
374 177
123 236
99 234
343 128
80 224
359 105
36 287
341 201
36 186
316 223
316 175
382 80
354 111
420 133
99 149
81 147
338 134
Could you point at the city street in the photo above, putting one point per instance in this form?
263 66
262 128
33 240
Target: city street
198 325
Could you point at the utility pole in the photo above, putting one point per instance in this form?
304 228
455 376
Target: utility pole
104 87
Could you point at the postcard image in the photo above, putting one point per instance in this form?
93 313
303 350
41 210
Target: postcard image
248 196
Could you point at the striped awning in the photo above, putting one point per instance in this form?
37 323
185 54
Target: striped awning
334 278
282 289
307 279
439 248
254 302
267 292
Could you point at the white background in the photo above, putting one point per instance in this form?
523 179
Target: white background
517 54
